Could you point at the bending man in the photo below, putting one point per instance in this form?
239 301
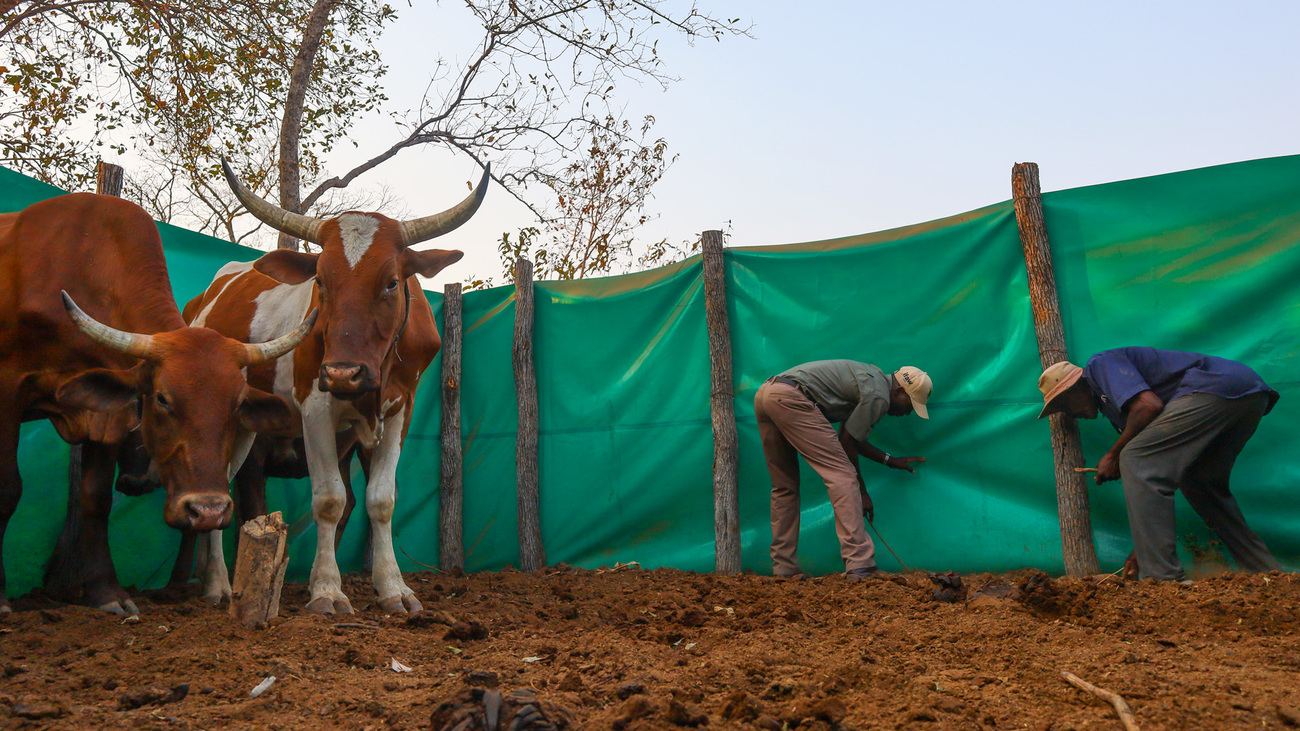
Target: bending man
1183 418
795 410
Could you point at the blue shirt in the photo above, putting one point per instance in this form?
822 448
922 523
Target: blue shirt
1119 375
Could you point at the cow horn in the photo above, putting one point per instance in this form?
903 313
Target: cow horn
141 346
423 229
306 228
272 349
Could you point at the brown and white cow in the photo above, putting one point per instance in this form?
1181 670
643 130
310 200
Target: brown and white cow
128 360
355 376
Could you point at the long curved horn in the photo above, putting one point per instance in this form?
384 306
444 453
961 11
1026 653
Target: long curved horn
294 224
141 346
423 229
272 349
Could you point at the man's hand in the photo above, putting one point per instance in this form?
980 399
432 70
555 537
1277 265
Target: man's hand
1107 468
868 507
903 463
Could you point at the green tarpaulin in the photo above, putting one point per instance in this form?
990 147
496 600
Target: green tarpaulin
1204 260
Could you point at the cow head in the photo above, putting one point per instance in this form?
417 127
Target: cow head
361 278
193 400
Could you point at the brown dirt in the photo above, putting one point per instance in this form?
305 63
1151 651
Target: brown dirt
666 649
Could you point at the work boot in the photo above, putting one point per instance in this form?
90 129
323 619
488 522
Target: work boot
865 573
799 576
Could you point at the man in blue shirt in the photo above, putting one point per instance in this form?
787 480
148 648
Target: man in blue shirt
1183 418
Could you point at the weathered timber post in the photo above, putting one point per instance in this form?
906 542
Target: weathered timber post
451 483
532 555
63 573
259 570
726 455
1067 449
110 178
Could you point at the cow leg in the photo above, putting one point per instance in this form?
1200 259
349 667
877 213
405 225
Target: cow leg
328 498
216 579
250 497
183 569
102 590
11 488
395 597
345 471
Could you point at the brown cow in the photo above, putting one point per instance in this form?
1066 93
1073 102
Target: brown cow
355 377
127 361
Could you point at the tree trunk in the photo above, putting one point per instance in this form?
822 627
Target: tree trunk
259 570
726 456
1071 490
451 484
291 125
532 555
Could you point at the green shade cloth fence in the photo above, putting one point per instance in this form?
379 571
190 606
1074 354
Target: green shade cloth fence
1204 260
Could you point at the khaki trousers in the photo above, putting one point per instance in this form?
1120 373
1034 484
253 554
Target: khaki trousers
790 425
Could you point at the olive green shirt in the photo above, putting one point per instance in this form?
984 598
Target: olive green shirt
846 390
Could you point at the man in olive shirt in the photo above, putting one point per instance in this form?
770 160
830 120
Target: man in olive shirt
795 410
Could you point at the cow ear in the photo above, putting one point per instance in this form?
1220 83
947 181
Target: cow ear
262 411
101 389
287 267
430 261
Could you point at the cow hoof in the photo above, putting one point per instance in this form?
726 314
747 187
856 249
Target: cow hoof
329 605
125 608
215 598
400 604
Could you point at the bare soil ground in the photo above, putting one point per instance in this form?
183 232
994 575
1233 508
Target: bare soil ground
666 649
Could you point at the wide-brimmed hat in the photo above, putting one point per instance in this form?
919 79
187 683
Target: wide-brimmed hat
1056 380
916 383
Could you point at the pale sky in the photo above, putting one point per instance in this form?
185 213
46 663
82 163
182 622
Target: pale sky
842 118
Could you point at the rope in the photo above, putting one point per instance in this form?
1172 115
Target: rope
891 551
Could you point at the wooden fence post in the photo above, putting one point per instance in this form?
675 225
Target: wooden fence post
451 483
63 573
726 455
532 555
1067 449
110 179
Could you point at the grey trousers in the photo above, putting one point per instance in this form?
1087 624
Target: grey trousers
790 425
1191 447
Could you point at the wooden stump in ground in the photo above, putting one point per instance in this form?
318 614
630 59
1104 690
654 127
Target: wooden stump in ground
259 570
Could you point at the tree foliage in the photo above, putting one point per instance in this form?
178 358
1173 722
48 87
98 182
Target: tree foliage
176 82
181 82
600 206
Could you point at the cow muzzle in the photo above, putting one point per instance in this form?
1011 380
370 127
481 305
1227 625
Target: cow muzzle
202 513
347 379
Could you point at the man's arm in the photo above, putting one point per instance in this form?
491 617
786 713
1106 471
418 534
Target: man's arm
1140 411
866 449
851 451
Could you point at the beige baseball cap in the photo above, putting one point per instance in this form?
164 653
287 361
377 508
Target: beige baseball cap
1056 380
916 383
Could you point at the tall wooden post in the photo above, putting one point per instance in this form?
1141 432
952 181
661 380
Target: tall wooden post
110 178
451 483
1071 491
63 573
726 455
532 555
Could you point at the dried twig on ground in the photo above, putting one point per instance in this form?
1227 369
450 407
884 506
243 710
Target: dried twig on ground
1126 716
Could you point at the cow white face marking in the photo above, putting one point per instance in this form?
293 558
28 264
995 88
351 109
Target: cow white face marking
358 232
